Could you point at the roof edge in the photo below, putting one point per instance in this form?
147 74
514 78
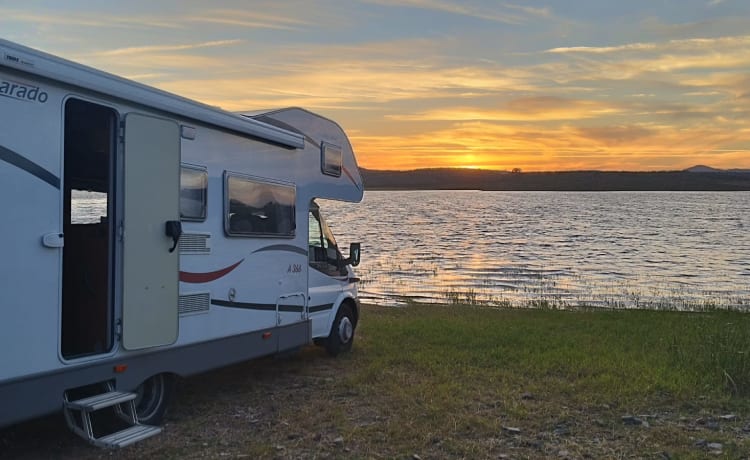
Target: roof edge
35 62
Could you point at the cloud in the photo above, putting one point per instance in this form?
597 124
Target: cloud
164 48
540 12
345 76
464 9
541 108
603 49
90 20
248 19
616 135
691 45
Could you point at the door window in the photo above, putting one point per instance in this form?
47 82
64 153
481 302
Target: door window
323 253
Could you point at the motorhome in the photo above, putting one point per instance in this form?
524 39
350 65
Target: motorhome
146 236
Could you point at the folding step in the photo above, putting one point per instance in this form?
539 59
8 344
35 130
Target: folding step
127 436
96 402
78 417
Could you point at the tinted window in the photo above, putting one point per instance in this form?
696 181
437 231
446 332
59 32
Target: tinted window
257 207
193 193
330 159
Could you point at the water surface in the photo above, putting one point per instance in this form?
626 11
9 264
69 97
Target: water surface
671 250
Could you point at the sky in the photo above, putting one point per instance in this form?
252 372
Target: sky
537 85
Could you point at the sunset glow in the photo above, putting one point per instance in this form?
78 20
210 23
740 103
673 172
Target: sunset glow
538 85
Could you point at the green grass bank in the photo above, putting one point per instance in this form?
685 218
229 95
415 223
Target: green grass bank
467 382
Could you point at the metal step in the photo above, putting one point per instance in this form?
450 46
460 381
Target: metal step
127 436
101 401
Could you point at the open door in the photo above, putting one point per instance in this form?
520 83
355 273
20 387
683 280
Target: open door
152 198
88 207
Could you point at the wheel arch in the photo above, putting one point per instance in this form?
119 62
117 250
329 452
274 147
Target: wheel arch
348 299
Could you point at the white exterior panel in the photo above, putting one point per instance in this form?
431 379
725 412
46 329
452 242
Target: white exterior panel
29 271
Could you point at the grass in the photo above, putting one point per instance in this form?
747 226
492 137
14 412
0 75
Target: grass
472 382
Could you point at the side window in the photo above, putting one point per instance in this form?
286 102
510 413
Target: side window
257 207
330 159
323 253
193 192
316 236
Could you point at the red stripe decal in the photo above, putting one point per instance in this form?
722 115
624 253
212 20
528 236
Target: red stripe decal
187 277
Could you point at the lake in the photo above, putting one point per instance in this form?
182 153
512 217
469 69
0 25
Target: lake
661 250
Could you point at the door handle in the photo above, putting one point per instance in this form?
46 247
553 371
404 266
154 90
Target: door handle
173 228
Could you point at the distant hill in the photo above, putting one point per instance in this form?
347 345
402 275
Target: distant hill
703 168
693 179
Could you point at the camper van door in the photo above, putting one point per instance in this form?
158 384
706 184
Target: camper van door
151 208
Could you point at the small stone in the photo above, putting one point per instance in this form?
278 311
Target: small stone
339 440
279 447
512 429
561 430
416 457
700 443
728 417
538 445
563 453
712 425
527 396
714 446
631 420
746 429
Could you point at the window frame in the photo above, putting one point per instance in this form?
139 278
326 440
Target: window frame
204 207
263 182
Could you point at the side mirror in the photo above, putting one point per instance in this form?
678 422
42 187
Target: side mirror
354 254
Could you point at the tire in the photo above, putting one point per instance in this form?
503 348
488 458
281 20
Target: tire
341 337
153 396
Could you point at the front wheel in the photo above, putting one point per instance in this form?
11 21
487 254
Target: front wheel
342 332
152 398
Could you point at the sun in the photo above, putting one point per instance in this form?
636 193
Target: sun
468 161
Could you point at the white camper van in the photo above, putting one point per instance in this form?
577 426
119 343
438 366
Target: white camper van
145 235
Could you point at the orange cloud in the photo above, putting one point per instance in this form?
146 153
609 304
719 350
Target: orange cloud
565 147
542 108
